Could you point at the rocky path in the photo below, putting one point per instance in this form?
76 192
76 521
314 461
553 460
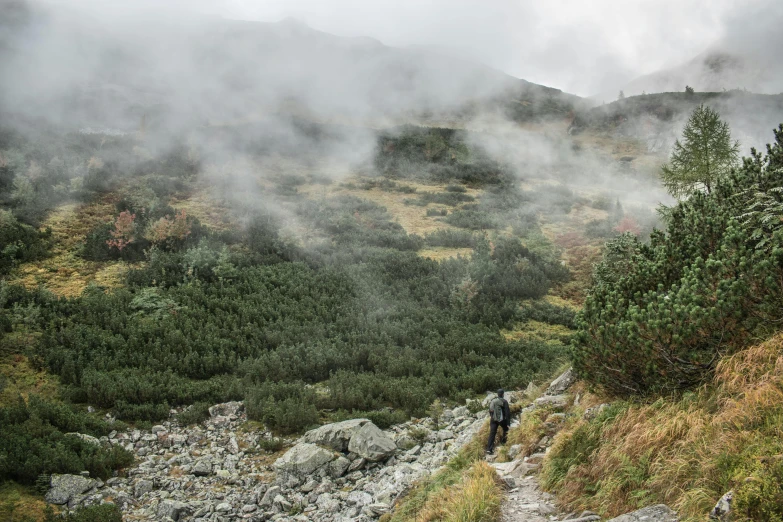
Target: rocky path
525 500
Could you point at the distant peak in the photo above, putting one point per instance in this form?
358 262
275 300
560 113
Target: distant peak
292 22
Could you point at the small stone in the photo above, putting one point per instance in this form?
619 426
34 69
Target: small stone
223 507
141 487
202 468
657 513
338 467
171 509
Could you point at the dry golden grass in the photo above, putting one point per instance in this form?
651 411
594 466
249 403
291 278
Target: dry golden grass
412 218
65 273
476 499
22 379
203 205
20 503
684 453
537 331
440 253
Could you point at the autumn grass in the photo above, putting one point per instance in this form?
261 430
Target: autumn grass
425 502
19 378
20 504
65 273
476 498
684 452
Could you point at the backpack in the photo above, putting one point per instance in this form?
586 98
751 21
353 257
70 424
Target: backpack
496 409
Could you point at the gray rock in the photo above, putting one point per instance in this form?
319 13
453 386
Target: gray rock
171 509
223 507
657 513
158 429
722 510
377 509
309 486
89 439
593 412
445 435
405 442
269 496
64 487
371 443
202 468
338 467
461 411
514 450
226 409
336 435
249 508
359 498
327 503
141 487
562 383
552 401
281 503
304 459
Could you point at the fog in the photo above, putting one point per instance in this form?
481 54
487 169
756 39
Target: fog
226 77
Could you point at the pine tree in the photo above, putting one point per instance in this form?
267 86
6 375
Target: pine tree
705 155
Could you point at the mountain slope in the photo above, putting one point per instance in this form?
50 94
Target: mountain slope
108 72
715 70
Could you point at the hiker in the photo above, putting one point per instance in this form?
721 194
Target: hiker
499 415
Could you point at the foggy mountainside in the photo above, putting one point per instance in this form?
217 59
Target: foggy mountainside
196 209
196 71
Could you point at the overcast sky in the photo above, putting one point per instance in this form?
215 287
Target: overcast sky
580 46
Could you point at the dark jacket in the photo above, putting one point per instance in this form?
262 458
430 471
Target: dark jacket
506 410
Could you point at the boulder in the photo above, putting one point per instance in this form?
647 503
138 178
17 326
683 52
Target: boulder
657 513
722 510
226 409
202 468
552 401
562 383
62 488
303 459
141 487
89 439
593 412
269 496
171 509
371 443
338 467
336 435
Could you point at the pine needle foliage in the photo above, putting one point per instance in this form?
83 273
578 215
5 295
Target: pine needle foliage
660 315
705 155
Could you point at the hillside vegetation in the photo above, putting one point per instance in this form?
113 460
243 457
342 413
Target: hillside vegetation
685 332
318 307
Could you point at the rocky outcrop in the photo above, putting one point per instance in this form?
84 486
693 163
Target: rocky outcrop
304 459
657 513
722 509
372 444
216 471
64 488
562 383
336 435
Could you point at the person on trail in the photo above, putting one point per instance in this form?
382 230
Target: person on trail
499 415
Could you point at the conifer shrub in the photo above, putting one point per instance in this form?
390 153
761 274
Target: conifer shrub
282 407
33 442
20 243
95 513
659 315
450 238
